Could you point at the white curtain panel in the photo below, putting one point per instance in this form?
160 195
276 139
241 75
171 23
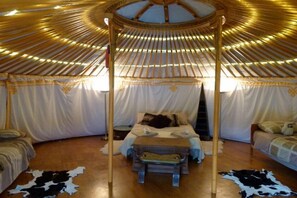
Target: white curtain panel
2 104
135 98
48 109
50 112
248 104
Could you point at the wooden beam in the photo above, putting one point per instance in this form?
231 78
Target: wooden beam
143 10
189 9
166 13
111 99
218 46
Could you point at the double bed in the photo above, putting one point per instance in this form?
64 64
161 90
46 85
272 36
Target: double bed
182 129
15 153
282 148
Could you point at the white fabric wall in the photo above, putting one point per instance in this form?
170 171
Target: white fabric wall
248 104
48 112
156 98
50 109
2 105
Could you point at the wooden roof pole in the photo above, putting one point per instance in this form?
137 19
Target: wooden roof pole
112 48
216 128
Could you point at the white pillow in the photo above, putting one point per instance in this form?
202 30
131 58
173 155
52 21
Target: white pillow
10 133
182 118
271 126
288 129
139 117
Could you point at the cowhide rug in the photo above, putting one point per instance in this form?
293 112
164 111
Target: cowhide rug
254 182
49 183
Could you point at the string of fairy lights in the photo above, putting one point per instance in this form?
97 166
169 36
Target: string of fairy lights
288 30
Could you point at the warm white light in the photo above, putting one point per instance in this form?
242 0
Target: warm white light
227 85
106 21
100 83
57 7
223 20
11 13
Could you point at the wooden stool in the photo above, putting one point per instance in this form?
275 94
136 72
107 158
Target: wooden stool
165 159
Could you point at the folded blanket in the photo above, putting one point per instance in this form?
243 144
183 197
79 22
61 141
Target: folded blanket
184 134
144 132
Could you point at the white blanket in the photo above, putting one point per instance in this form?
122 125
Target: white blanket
138 129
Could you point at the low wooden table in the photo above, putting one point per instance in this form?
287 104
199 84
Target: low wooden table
179 146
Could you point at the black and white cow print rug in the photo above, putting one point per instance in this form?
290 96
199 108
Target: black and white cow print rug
49 183
254 182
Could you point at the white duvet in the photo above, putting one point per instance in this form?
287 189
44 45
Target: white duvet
185 131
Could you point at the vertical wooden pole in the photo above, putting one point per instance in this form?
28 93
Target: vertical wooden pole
218 46
8 104
111 99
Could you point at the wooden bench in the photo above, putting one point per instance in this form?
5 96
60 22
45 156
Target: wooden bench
174 160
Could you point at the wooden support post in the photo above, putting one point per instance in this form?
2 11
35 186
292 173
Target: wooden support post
216 128
111 98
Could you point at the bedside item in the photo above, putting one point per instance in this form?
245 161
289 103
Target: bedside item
121 131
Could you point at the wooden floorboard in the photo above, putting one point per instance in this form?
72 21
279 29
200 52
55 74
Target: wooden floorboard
93 183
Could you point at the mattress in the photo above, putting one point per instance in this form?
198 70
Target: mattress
277 147
183 131
263 139
15 155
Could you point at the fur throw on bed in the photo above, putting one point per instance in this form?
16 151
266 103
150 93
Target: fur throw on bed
160 121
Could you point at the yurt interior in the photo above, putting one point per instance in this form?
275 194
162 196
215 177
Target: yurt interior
150 98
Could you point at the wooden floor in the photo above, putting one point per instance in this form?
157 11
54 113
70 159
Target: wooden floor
93 183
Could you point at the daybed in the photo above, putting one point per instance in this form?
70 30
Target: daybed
15 153
273 139
177 128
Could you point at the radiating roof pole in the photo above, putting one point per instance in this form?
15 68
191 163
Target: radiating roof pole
112 44
218 47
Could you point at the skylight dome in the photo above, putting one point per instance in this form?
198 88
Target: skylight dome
166 11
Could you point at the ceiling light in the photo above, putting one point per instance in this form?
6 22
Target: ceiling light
106 21
11 13
223 20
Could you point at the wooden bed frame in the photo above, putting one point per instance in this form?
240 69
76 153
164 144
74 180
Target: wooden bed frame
254 127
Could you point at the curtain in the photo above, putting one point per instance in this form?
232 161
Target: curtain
50 109
134 98
250 103
3 95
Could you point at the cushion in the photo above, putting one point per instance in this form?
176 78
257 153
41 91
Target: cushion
182 118
147 118
160 121
271 126
139 117
177 118
174 120
10 133
288 129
